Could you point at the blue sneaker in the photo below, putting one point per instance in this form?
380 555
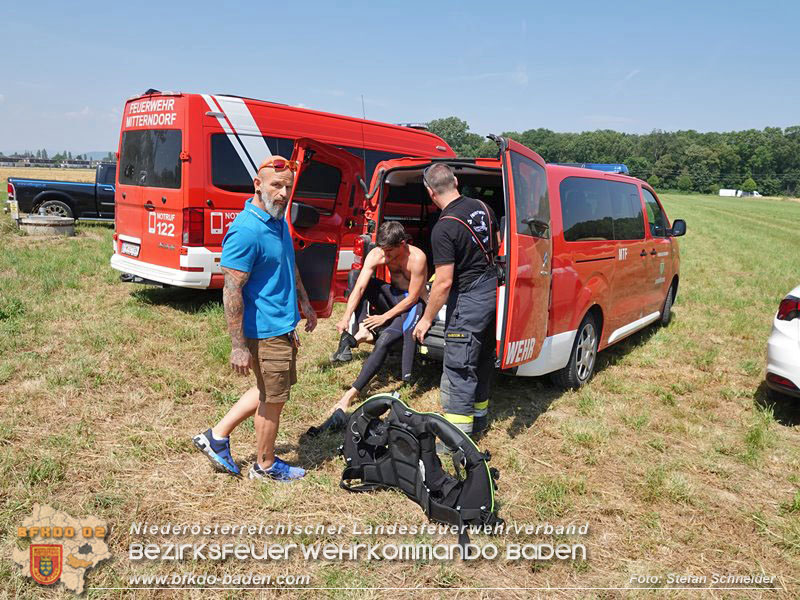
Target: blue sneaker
217 451
279 471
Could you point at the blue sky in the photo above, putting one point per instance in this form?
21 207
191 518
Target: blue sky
501 66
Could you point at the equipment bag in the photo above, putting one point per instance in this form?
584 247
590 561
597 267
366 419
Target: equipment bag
398 450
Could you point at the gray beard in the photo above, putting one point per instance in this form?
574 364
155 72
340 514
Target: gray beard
274 210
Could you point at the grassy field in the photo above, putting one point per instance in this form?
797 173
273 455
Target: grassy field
44 173
673 454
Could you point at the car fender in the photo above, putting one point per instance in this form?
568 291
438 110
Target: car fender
595 292
45 195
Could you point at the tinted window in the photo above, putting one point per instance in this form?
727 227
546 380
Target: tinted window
107 174
597 209
228 172
655 216
530 196
151 158
627 210
586 210
319 180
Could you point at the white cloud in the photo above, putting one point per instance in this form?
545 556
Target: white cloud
300 105
2 98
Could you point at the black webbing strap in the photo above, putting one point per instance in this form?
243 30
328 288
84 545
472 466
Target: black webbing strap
351 473
486 253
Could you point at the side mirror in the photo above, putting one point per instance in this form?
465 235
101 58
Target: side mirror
304 216
678 228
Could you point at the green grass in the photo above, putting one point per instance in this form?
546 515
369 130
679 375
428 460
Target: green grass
673 453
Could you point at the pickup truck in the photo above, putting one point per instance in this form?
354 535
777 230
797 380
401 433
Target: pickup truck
74 199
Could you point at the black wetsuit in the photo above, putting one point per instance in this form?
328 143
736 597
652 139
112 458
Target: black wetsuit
382 297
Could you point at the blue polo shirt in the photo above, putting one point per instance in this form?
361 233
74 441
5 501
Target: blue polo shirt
261 245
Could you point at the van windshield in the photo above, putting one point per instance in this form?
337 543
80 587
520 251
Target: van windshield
151 158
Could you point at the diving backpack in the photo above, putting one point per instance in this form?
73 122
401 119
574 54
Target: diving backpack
399 451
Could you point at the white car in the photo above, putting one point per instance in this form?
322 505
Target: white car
783 347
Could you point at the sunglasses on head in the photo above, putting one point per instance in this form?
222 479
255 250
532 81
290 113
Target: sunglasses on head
280 164
425 175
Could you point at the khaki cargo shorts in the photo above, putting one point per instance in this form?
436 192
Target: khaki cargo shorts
275 361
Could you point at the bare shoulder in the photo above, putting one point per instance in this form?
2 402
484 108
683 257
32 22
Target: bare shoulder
416 258
375 257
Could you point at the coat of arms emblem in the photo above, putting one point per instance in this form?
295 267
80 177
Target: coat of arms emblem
46 563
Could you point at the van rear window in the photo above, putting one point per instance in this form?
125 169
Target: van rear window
598 210
151 158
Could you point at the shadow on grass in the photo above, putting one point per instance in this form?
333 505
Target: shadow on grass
187 300
522 399
785 409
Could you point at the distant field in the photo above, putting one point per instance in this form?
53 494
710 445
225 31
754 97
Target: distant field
673 453
42 173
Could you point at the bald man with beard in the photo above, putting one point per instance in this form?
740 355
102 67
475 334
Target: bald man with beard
262 286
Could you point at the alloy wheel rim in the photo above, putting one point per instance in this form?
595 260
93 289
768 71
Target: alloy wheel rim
53 210
586 352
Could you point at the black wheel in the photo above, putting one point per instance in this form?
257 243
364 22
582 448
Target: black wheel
580 367
55 208
666 310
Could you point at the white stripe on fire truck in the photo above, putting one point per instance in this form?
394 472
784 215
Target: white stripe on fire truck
248 164
245 126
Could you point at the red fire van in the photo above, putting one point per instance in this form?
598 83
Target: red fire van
186 166
589 257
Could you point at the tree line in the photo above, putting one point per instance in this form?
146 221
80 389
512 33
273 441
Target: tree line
766 160
58 157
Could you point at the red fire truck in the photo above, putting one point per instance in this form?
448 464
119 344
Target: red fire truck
186 166
589 257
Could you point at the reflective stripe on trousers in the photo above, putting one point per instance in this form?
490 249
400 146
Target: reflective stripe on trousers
469 352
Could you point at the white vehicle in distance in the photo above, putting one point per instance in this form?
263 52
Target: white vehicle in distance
783 347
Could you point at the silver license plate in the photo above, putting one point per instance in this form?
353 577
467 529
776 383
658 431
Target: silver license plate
129 249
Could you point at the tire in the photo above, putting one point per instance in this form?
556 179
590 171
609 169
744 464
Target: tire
55 208
666 309
582 359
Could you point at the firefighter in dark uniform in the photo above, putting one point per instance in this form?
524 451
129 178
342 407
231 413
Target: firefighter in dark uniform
464 241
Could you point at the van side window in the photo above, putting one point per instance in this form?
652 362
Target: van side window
655 215
586 210
628 215
599 210
530 196
151 158
228 172
319 180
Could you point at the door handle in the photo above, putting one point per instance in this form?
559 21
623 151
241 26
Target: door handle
149 206
643 253
653 252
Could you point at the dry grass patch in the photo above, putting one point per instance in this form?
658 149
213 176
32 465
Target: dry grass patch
673 454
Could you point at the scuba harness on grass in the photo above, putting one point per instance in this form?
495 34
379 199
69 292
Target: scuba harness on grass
400 452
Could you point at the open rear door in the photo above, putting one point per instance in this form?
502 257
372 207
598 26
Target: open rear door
316 228
523 303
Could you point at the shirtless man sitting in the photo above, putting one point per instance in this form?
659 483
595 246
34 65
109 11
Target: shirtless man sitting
396 306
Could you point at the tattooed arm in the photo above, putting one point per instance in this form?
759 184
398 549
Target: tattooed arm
305 303
234 313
